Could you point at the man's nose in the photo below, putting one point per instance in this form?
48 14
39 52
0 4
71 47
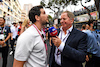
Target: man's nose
61 20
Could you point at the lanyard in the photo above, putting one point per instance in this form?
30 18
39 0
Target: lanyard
59 52
38 32
41 36
65 36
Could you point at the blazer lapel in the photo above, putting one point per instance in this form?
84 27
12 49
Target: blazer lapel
71 36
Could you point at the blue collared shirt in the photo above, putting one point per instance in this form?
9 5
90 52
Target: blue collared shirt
97 37
92 46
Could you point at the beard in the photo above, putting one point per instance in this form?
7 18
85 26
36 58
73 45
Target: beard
44 23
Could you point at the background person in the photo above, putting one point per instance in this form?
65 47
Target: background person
19 29
5 34
93 47
84 27
14 31
25 25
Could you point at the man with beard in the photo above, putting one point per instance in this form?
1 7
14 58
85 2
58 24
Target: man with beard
30 50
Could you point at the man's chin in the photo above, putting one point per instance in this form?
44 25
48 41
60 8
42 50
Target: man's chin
44 23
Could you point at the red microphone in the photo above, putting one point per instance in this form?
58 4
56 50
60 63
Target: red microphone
53 31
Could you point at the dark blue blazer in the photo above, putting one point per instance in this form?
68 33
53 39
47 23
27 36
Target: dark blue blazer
74 51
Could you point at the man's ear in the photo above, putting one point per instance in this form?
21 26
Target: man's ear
72 20
37 17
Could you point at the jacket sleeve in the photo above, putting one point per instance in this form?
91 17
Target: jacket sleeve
78 54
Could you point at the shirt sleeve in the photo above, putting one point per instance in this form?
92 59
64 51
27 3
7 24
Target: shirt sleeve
24 47
61 47
9 31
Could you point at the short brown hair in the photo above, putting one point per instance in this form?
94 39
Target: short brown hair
34 11
69 14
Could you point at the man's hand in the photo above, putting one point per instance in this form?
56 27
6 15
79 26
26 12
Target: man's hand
87 58
2 42
11 38
56 40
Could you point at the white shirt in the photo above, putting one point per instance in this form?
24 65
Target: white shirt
63 38
83 30
13 31
30 48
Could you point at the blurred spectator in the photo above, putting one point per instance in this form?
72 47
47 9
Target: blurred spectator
83 27
55 25
87 26
25 25
5 34
19 29
93 47
14 32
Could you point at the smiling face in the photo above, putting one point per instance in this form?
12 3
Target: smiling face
2 21
65 21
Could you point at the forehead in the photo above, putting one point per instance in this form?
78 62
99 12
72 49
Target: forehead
64 15
42 10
